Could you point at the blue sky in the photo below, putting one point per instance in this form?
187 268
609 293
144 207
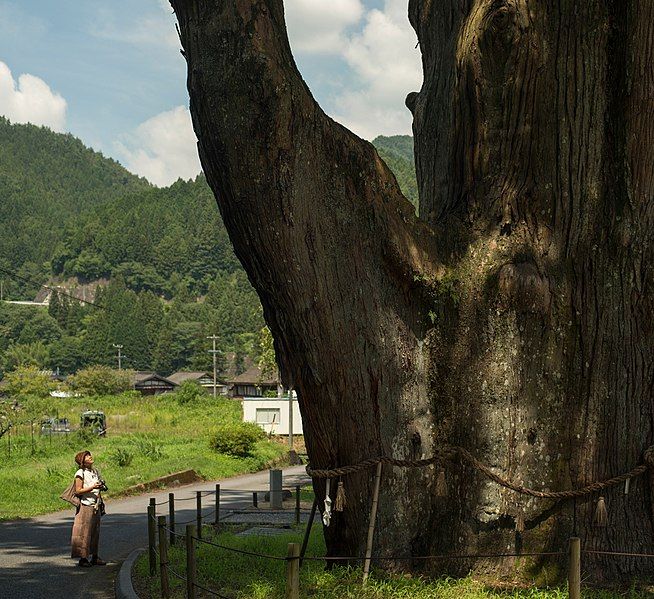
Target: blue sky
111 72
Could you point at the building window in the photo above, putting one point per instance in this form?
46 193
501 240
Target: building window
268 415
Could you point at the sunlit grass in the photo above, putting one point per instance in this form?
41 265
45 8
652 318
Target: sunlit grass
158 434
246 577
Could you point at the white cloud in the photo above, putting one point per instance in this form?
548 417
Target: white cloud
384 58
384 54
30 100
361 113
316 26
163 148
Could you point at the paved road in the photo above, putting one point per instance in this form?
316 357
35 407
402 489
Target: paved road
34 562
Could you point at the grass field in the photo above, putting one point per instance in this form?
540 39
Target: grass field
248 577
147 437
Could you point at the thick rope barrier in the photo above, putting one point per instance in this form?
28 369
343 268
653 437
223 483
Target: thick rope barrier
441 556
194 519
449 453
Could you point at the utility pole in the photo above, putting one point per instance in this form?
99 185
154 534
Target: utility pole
290 419
120 356
214 351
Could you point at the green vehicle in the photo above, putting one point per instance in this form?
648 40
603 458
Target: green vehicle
94 420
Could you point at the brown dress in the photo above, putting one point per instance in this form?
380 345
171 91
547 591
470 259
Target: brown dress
86 532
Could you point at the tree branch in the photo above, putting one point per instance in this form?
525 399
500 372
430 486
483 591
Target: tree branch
261 132
332 247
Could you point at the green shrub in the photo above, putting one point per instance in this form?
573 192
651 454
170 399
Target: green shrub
189 392
122 457
236 439
85 436
100 380
148 448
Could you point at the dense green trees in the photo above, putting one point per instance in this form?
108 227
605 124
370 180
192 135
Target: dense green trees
397 153
160 240
46 179
155 334
68 212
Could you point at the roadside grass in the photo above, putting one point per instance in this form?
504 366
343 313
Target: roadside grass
247 577
147 437
307 494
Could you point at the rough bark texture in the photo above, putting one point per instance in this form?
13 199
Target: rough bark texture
513 318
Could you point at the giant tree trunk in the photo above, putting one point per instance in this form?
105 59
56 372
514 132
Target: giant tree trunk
512 318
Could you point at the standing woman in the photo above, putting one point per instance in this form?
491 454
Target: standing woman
86 528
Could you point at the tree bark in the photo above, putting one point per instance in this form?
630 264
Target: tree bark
512 318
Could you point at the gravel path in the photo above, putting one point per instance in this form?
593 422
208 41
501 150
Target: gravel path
34 562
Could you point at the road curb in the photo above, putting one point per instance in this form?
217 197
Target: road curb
124 588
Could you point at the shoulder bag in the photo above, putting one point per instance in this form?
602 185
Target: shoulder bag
70 496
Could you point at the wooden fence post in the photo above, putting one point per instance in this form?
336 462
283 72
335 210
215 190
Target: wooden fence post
191 567
371 525
151 540
297 505
217 518
171 517
293 571
163 557
255 499
574 568
198 514
307 532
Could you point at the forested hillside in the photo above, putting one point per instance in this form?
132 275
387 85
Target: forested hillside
69 215
168 241
46 179
399 145
397 152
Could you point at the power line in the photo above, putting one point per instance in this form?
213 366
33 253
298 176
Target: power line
33 282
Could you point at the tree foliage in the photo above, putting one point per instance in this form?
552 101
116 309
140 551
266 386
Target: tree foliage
45 179
397 153
174 278
189 392
100 380
28 381
267 362
34 354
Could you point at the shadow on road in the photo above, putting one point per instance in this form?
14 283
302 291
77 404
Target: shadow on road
35 562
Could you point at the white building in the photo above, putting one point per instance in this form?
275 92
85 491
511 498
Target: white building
271 414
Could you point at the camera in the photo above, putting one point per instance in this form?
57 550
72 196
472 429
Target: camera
103 485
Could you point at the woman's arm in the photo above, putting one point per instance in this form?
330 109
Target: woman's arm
80 490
